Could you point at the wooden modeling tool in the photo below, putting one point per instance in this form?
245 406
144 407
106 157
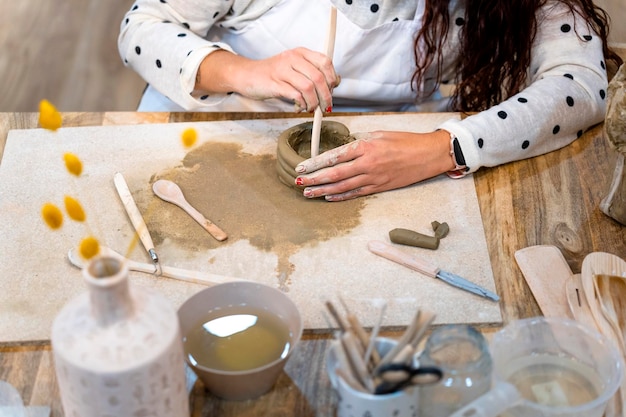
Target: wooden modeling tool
317 116
136 219
187 275
170 191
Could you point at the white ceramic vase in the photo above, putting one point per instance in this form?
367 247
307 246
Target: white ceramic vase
118 349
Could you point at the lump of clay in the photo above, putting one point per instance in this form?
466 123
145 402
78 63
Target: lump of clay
294 146
412 238
614 204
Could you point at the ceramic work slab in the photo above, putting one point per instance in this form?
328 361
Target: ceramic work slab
36 279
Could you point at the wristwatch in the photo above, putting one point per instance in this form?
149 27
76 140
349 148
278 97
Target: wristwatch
460 169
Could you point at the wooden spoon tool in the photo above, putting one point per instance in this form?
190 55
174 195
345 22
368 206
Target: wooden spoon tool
196 277
171 192
601 263
546 271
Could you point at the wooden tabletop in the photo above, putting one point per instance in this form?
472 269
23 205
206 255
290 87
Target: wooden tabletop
548 200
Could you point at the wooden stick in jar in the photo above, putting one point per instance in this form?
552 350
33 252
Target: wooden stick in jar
350 345
406 338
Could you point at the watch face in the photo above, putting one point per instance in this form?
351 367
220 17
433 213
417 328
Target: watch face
458 153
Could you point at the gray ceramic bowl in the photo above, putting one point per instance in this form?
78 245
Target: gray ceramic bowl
252 383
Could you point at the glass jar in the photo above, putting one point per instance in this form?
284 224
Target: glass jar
462 353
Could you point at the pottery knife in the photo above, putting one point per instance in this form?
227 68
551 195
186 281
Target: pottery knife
135 217
394 254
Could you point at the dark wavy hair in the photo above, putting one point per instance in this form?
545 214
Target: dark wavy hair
495 43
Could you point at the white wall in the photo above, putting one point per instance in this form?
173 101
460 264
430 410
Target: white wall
617 10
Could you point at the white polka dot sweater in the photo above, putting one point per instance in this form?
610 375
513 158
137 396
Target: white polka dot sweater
164 41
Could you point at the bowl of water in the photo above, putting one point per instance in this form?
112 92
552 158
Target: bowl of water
238 337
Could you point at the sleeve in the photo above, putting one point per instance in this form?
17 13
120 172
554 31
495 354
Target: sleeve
163 41
566 94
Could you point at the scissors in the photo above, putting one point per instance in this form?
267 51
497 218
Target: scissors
397 376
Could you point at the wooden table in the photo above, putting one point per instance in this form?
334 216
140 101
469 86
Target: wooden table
551 199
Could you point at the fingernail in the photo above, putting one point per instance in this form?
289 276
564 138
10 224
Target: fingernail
308 192
329 109
299 169
299 181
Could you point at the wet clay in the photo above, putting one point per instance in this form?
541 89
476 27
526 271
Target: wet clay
241 193
294 146
412 238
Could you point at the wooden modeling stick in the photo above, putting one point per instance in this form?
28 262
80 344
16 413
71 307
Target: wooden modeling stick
317 116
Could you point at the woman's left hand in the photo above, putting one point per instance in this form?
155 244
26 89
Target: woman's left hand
374 162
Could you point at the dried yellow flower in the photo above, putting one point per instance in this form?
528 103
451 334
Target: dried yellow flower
73 164
52 215
74 209
189 137
89 247
49 116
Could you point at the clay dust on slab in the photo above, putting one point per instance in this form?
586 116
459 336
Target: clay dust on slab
242 194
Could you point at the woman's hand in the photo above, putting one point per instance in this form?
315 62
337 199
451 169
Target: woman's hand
375 162
300 75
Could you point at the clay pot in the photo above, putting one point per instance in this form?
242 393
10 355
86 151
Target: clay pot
294 146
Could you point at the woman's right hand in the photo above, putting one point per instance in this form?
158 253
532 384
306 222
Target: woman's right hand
300 75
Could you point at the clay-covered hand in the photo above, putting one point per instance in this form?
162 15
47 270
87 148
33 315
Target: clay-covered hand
299 75
376 161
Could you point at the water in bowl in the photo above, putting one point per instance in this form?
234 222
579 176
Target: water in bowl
237 339
554 381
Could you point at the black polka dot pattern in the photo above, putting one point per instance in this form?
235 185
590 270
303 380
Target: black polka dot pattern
569 100
558 128
506 114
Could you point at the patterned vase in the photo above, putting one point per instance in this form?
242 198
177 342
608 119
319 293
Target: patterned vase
118 349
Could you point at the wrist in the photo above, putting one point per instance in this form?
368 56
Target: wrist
459 167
